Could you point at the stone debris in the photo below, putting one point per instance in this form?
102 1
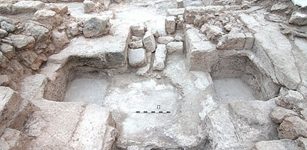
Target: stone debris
160 57
213 32
137 57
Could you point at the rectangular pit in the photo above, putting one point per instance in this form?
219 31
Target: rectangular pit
236 78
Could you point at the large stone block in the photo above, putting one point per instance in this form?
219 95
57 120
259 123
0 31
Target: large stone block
170 24
201 54
137 57
278 55
174 47
165 39
232 41
160 57
149 42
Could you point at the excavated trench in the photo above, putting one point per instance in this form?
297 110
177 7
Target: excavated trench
140 105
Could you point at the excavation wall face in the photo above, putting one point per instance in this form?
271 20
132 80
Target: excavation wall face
242 68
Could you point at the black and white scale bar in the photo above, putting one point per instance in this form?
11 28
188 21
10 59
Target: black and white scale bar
153 112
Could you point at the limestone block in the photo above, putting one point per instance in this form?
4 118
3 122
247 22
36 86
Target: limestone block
170 24
137 57
173 47
149 42
160 57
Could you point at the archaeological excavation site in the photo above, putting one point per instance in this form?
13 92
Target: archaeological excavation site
153 74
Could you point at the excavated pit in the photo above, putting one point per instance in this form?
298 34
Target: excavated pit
236 77
138 104
88 87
